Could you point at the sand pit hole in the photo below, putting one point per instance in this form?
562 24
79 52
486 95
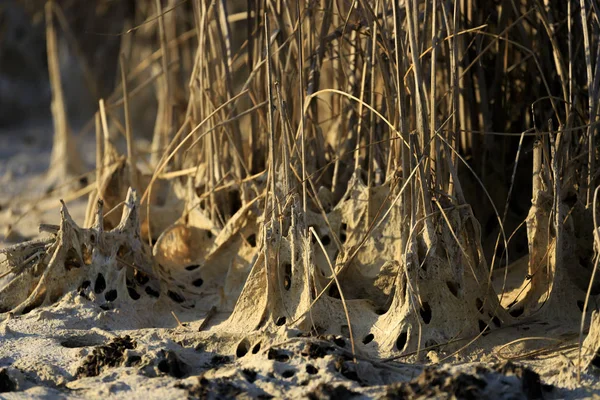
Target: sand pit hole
517 312
368 339
151 292
198 282
288 373
453 287
287 279
280 321
580 305
176 297
256 348
311 369
242 348
133 294
278 355
111 295
251 240
402 340
495 320
425 312
334 292
100 284
343 232
192 267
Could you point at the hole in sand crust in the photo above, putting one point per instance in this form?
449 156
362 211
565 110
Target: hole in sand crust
140 277
425 312
453 287
198 282
280 321
496 321
242 348
580 305
151 292
517 312
287 280
133 294
192 267
326 240
311 369
256 348
100 284
402 340
288 373
368 339
251 240
177 298
343 232
334 292
111 295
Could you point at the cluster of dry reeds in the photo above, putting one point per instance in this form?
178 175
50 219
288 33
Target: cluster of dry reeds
350 123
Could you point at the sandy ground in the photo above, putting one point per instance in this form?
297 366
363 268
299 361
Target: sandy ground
79 348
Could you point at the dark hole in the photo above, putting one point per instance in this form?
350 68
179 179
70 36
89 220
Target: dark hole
111 295
517 312
596 361
580 304
288 373
198 282
277 355
401 341
249 374
334 292
192 267
252 240
287 280
339 341
256 348
83 181
453 287
425 312
163 366
380 311
479 305
152 292
6 383
132 361
140 277
483 327
343 229
369 338
280 321
105 307
235 201
133 294
496 321
93 238
242 348
85 285
209 234
312 370
326 240
177 298
100 284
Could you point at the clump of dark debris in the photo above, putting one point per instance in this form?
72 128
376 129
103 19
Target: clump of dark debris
106 356
326 391
219 388
485 383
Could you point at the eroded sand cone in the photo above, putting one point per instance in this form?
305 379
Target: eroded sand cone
560 234
105 266
398 300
